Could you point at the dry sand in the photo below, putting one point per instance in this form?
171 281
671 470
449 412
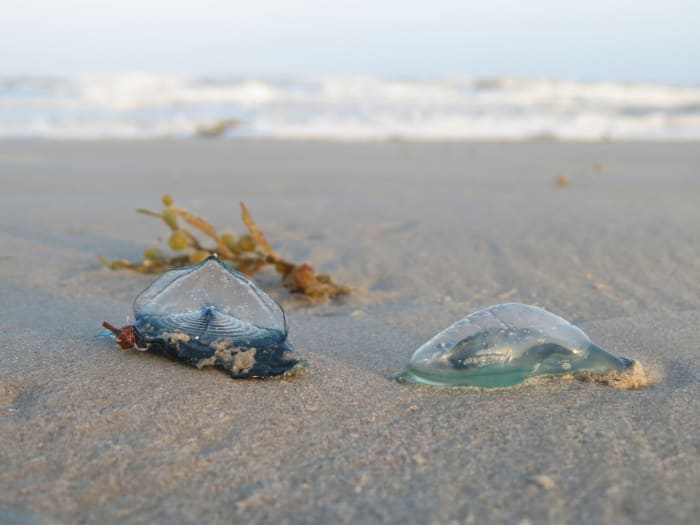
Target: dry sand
427 233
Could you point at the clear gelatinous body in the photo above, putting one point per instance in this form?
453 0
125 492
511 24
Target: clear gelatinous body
210 315
506 344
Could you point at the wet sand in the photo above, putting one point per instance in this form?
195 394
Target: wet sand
426 233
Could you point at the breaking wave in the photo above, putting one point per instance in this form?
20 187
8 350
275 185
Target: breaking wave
139 106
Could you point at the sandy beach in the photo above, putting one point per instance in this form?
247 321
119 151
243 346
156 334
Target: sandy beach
426 233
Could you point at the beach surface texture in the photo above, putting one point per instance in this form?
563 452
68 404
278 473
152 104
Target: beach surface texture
426 233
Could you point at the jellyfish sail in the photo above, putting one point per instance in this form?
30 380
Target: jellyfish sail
507 344
211 315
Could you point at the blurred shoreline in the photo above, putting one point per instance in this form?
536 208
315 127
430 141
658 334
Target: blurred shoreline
357 108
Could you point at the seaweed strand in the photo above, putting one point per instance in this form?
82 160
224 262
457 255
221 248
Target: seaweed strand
248 253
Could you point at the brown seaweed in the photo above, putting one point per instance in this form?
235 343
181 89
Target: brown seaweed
562 180
248 253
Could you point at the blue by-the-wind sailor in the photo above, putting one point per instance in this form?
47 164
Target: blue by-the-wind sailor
211 315
507 344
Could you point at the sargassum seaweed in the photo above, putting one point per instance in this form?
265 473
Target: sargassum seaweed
248 253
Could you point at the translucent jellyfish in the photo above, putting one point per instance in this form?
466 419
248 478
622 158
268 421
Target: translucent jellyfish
507 344
211 315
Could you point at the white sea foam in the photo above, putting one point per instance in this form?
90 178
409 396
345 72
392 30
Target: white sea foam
344 108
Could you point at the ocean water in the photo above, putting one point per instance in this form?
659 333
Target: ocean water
140 106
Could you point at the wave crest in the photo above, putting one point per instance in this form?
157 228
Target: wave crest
344 108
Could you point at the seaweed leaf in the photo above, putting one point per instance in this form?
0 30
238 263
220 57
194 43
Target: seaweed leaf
150 213
201 224
258 236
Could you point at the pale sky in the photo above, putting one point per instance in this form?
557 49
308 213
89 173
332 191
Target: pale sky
627 40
